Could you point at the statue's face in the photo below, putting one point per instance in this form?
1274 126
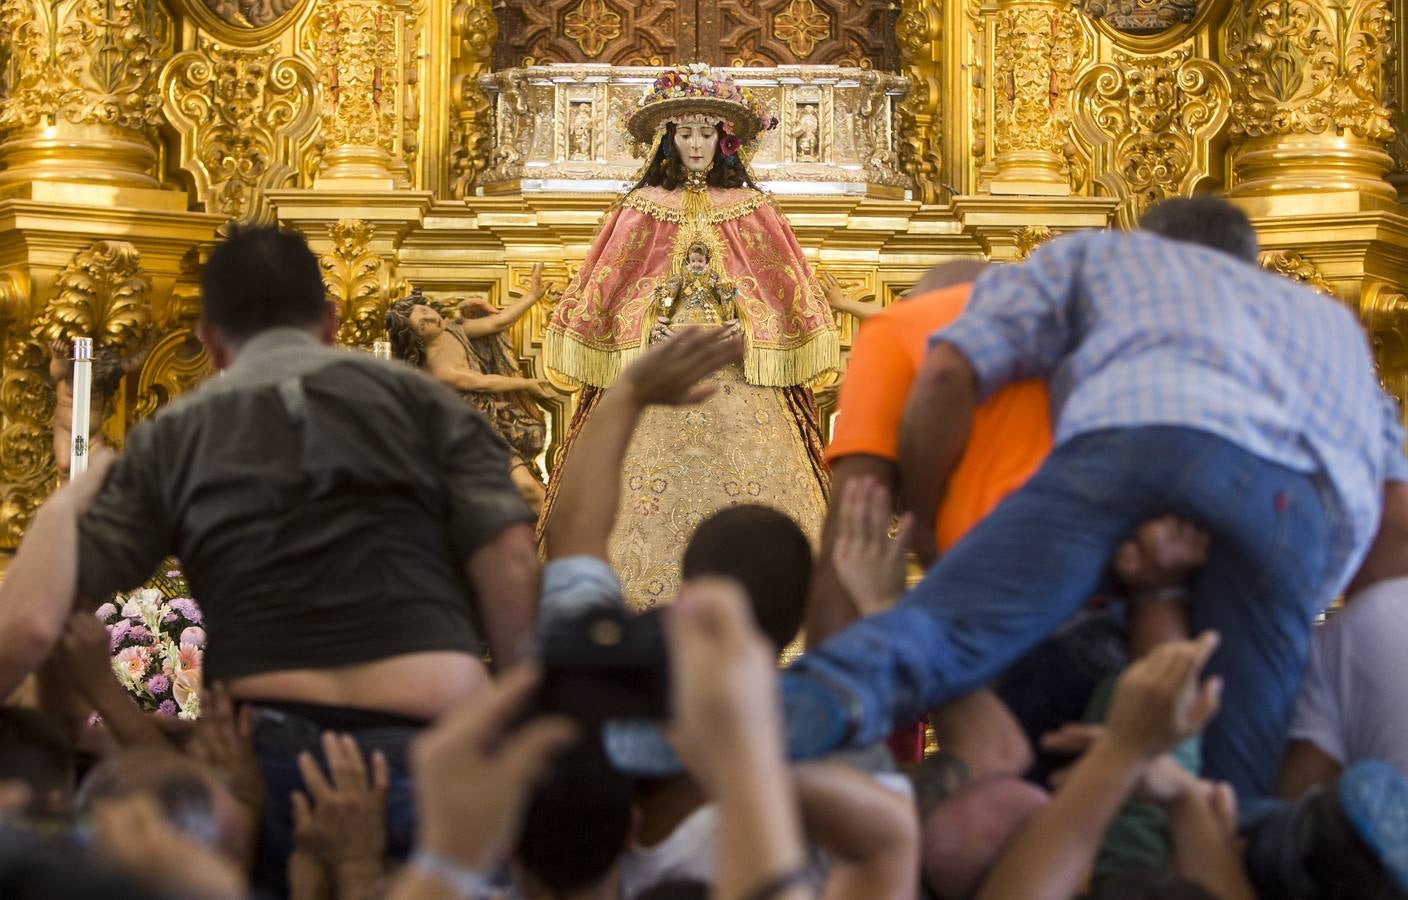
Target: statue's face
698 261
695 141
426 322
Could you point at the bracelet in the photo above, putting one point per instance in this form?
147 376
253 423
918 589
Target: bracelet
466 882
781 884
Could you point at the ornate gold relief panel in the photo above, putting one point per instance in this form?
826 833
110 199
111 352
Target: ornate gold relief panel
1151 122
358 281
242 115
919 34
858 33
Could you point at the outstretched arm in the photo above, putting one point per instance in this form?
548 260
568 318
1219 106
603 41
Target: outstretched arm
933 435
590 482
504 318
42 581
466 380
836 298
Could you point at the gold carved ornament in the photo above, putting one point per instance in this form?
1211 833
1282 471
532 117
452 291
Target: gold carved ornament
592 25
358 281
241 113
84 62
1385 317
1029 237
1293 265
1151 121
177 362
801 26
919 32
103 294
1306 67
473 29
354 43
1037 50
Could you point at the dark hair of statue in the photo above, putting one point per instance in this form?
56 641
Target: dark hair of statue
405 343
667 170
261 278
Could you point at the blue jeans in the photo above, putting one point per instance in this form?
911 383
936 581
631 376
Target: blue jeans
1042 552
279 737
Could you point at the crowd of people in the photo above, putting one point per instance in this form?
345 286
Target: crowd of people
1136 471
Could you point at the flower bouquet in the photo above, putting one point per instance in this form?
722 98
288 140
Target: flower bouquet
157 645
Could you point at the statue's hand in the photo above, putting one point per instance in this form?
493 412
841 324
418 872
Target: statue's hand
536 286
474 307
542 390
661 331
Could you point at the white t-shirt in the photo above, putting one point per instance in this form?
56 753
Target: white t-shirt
1349 704
688 853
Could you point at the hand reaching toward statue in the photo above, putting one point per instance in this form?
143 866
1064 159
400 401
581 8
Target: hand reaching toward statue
669 373
835 296
869 562
1164 552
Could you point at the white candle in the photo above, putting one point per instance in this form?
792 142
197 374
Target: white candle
381 349
82 403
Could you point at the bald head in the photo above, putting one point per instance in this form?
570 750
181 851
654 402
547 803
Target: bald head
947 274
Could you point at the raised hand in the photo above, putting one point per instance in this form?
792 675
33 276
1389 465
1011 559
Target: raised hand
341 821
536 286
224 740
834 293
473 771
869 563
1159 701
668 374
1162 782
1164 552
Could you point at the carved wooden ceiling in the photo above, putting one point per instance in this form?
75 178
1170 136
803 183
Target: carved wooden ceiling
720 32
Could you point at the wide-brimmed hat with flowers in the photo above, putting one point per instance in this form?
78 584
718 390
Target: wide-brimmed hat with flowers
697 90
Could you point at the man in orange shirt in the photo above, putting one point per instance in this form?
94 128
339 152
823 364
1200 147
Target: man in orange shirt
1011 434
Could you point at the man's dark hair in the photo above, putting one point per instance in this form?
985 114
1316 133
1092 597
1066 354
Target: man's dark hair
1340 863
667 170
35 749
1205 220
577 821
261 278
1147 885
766 551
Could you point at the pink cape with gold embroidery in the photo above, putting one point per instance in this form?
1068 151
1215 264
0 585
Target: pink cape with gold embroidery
604 317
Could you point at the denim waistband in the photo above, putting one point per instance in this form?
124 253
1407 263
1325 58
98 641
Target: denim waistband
279 730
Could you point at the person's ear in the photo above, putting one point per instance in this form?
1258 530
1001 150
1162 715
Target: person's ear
222 352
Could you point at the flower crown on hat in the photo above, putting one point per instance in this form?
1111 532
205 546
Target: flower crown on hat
695 90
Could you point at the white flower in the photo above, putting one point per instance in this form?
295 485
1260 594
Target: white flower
193 636
105 612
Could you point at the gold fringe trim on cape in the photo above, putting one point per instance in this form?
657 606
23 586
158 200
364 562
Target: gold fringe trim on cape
583 363
766 366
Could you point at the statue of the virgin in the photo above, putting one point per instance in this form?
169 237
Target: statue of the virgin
695 243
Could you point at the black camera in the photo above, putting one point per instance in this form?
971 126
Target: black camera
604 664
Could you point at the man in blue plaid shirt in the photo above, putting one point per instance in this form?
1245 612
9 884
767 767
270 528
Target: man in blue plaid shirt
1184 380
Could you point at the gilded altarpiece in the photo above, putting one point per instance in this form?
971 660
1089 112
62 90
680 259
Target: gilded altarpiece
449 145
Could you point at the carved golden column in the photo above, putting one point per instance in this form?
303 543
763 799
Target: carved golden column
1037 46
920 32
82 101
473 29
358 47
1310 80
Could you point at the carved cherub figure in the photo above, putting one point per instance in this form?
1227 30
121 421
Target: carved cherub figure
471 355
